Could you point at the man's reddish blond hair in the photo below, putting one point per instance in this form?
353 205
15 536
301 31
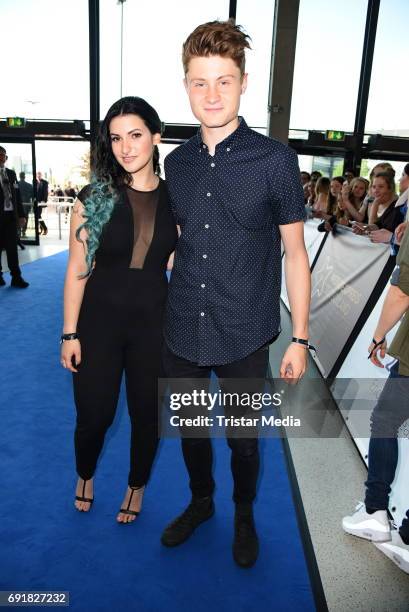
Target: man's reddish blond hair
217 38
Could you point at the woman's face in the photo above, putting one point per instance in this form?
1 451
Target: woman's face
132 142
311 188
359 190
335 188
403 182
380 189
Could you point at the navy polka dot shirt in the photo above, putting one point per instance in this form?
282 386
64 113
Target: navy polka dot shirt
224 293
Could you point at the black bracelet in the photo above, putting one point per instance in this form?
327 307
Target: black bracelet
65 337
376 345
304 343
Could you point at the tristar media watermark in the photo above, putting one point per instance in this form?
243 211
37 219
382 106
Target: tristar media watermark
231 421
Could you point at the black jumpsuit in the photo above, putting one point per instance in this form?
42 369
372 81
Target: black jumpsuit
120 329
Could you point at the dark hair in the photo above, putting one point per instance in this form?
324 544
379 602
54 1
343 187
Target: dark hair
306 173
108 175
223 38
316 174
106 167
3 149
406 169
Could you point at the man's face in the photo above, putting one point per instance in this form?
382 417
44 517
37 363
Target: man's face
3 157
39 176
214 85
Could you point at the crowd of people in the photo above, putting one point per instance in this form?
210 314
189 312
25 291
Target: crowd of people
370 207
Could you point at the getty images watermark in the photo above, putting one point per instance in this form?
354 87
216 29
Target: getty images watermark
312 408
239 407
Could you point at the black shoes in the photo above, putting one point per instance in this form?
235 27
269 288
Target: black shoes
245 543
2 281
179 530
19 282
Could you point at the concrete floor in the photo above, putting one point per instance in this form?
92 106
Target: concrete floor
330 473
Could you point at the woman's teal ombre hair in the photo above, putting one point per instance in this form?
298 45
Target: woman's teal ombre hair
109 176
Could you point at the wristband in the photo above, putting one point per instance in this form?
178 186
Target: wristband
376 345
65 337
304 343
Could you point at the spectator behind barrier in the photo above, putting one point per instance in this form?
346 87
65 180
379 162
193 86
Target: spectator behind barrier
351 200
310 190
362 214
384 217
305 177
322 187
330 215
349 176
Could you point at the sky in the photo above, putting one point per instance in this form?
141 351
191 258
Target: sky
49 75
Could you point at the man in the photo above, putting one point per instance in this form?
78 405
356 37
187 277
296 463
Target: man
370 521
11 218
42 198
26 193
235 194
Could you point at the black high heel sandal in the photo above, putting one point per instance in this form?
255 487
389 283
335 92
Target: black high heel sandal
82 497
127 510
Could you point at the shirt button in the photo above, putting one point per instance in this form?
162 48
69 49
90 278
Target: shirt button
212 164
208 194
207 226
204 146
202 314
204 256
228 149
203 285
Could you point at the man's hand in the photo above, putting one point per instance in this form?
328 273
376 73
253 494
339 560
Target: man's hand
381 349
400 230
381 235
294 362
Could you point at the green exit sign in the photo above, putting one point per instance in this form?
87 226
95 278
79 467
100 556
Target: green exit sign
16 122
335 135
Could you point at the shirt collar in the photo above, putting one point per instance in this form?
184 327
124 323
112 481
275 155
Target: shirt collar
232 140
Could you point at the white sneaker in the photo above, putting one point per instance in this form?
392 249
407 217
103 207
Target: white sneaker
396 550
373 527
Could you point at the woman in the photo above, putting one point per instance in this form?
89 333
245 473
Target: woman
321 196
122 235
330 214
384 217
351 200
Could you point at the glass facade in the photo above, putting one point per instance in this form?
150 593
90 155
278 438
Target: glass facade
48 54
327 66
389 91
257 18
152 49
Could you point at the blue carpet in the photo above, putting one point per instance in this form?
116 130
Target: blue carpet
47 545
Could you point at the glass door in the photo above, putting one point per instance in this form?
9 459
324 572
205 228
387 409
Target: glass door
21 159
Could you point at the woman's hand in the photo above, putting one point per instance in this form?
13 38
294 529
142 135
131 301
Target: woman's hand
70 349
359 228
294 363
380 235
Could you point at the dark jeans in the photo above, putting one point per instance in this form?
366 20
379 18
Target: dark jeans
197 452
391 410
8 242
